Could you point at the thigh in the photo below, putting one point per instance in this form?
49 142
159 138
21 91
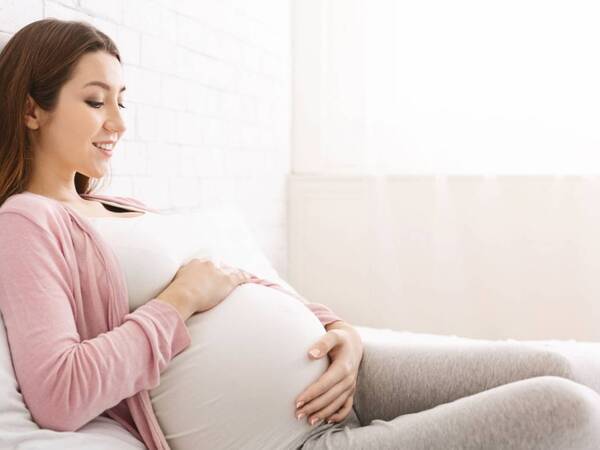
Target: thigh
541 413
397 378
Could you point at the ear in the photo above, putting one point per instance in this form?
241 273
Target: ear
32 113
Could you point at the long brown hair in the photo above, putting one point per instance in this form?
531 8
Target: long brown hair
38 60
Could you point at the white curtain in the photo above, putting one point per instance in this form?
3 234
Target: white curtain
461 87
431 89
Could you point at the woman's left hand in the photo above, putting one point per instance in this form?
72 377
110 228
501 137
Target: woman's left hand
330 397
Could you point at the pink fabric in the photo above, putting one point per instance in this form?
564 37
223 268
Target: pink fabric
76 349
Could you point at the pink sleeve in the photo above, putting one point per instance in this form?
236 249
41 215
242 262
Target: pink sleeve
66 381
323 313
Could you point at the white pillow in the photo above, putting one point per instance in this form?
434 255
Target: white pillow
14 415
223 234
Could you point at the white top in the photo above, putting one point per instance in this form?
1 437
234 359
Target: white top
235 385
150 248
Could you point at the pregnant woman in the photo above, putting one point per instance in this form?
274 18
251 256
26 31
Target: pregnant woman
112 309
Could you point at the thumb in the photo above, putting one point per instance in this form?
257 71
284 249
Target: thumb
322 347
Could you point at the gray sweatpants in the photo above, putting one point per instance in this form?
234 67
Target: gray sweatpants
471 394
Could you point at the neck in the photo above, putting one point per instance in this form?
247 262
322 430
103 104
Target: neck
67 196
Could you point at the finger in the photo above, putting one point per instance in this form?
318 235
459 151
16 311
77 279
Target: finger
229 268
245 275
327 397
248 277
343 412
251 276
331 408
336 372
243 278
225 265
239 275
232 272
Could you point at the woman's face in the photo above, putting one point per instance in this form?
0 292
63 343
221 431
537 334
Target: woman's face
63 140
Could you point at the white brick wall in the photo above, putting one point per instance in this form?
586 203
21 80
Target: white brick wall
208 102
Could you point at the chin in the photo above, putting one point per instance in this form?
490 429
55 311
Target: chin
94 173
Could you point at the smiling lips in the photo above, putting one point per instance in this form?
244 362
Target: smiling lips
106 145
105 148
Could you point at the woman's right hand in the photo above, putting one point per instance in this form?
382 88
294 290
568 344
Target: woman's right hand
204 283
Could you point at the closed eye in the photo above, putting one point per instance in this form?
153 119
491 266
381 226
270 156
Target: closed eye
98 104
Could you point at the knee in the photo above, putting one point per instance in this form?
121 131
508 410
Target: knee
556 364
569 404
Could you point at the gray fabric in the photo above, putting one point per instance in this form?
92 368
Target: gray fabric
471 394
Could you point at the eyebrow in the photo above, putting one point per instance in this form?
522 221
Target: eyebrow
102 85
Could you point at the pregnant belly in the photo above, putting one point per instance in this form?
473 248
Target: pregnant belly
235 385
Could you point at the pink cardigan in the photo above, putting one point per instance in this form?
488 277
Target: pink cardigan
76 349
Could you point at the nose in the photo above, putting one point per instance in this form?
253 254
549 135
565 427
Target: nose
116 124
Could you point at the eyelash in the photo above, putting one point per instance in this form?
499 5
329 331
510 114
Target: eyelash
95 104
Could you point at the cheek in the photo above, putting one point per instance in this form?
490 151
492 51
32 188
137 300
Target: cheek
75 131
85 123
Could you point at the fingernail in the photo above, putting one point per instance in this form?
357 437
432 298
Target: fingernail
315 421
300 416
315 352
299 404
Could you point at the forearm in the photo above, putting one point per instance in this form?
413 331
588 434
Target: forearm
179 301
